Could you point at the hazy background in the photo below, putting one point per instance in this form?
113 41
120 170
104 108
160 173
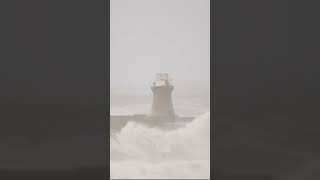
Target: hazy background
150 36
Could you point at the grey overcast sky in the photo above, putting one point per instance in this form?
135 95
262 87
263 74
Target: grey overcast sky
150 36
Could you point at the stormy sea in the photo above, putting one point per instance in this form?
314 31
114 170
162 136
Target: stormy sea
140 152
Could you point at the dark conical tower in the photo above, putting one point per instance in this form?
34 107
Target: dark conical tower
162 105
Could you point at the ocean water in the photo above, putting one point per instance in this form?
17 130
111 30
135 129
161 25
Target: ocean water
139 152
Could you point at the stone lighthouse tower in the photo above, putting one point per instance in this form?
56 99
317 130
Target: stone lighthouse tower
162 106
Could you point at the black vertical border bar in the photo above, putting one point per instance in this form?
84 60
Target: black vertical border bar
107 41
248 40
212 105
39 37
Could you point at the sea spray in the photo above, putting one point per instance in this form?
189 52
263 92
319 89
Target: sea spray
145 153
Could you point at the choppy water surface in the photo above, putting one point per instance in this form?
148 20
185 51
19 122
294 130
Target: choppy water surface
139 152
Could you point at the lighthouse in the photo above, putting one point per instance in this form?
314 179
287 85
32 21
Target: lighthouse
162 106
162 113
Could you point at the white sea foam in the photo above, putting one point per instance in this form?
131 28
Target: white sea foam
139 152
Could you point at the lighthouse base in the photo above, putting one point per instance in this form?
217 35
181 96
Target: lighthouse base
161 122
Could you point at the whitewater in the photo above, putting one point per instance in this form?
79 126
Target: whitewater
139 152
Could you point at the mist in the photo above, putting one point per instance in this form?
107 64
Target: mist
151 36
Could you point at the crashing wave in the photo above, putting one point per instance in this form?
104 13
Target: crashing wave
144 152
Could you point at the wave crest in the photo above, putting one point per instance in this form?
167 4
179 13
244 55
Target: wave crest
144 152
